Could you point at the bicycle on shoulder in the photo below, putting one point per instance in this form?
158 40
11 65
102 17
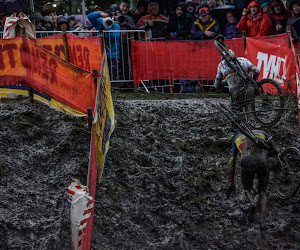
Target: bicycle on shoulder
264 98
287 170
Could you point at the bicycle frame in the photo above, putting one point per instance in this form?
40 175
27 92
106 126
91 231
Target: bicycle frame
233 63
243 127
267 110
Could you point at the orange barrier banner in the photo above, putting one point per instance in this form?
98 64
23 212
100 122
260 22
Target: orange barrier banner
24 61
85 52
11 67
53 44
275 60
178 60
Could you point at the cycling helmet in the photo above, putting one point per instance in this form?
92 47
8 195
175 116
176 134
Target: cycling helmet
224 54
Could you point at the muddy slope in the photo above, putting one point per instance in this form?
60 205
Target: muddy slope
41 150
162 188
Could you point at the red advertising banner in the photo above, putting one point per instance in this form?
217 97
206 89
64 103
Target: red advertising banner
275 60
24 61
178 60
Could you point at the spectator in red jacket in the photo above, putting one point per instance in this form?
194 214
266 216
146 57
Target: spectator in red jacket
279 11
256 23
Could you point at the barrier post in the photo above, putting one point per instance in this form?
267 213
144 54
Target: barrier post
101 35
30 90
244 33
66 46
30 94
288 32
95 75
135 86
90 118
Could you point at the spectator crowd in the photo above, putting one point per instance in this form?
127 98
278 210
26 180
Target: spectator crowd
189 20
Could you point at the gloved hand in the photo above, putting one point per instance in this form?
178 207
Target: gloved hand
230 190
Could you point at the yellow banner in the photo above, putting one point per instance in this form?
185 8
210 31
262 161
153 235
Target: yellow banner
104 117
13 91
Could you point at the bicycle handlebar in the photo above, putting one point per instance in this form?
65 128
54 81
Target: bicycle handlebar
233 63
220 38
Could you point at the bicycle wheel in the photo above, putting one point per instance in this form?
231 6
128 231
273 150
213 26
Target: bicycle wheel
269 102
243 127
287 178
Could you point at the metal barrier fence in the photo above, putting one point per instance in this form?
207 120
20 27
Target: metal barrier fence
117 45
118 50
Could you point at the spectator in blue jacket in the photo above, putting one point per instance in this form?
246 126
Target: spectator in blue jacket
205 27
101 21
231 30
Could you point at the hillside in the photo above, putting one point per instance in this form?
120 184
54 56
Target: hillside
163 184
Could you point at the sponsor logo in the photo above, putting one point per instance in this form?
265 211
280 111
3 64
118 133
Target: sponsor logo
272 66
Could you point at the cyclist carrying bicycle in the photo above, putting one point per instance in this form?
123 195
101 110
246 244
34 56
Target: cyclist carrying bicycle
239 91
254 160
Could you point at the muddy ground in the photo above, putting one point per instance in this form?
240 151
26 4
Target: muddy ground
163 184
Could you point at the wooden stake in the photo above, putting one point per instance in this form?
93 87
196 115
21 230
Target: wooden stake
135 86
288 32
244 33
30 93
102 44
90 118
66 46
95 75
